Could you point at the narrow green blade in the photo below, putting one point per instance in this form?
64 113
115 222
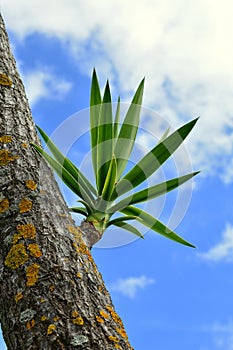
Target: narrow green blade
129 228
165 135
120 219
110 180
128 131
154 159
95 104
66 177
67 164
105 139
79 210
117 119
154 224
152 192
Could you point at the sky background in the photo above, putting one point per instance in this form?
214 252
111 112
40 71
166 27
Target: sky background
169 296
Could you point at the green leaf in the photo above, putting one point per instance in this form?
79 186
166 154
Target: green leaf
120 219
105 139
66 177
110 180
165 135
79 210
154 159
128 131
117 119
154 224
67 164
129 228
151 192
95 104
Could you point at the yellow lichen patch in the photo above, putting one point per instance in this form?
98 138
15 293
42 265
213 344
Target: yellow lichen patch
56 319
27 231
6 157
43 318
34 250
6 139
17 256
114 339
51 328
4 205
122 332
24 145
79 275
5 80
99 319
75 313
25 205
18 296
114 315
31 184
104 314
51 288
117 346
78 320
75 231
32 272
42 300
30 324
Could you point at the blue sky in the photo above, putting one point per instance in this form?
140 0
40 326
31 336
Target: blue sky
168 295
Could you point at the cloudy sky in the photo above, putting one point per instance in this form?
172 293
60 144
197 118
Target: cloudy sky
169 296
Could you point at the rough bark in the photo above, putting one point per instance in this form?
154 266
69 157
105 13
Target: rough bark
51 293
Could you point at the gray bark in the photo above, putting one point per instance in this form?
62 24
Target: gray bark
52 295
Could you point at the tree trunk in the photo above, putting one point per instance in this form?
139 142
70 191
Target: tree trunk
51 293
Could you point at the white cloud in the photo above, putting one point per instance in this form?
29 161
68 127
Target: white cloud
43 84
183 48
222 250
222 334
130 286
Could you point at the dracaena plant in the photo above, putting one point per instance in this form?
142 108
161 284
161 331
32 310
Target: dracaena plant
112 142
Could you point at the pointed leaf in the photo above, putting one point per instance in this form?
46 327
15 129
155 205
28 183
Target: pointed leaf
66 177
120 219
165 135
128 131
79 210
110 180
95 104
117 119
129 228
151 192
67 164
105 139
154 224
154 159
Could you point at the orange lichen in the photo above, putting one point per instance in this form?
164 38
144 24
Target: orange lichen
56 319
34 250
113 338
4 205
75 231
114 315
17 256
6 157
6 139
30 324
25 205
51 288
43 318
99 319
78 320
122 332
117 346
79 275
51 328
5 80
32 272
31 184
18 296
75 313
24 145
27 231
104 314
